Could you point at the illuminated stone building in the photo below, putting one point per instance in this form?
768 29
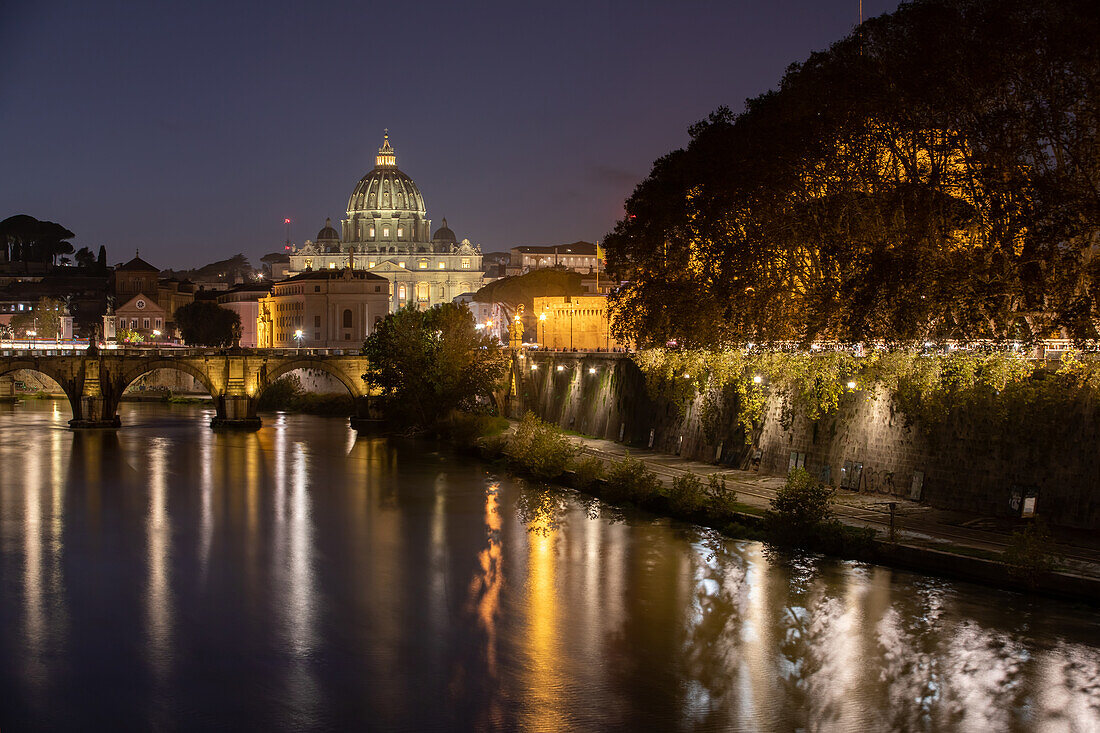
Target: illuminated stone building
388 233
572 322
331 308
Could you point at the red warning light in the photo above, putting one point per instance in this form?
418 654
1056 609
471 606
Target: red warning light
286 221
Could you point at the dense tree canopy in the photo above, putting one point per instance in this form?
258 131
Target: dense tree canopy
934 175
26 239
203 323
429 363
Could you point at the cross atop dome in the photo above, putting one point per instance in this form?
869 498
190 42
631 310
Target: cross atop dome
387 158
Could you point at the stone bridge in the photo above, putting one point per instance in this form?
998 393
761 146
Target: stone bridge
94 379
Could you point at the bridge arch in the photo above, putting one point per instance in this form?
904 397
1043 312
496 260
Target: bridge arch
283 368
179 365
30 365
63 380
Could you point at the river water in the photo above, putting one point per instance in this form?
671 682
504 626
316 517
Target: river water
168 577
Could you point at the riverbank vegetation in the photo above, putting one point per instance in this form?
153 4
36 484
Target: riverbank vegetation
1002 392
286 394
932 176
428 364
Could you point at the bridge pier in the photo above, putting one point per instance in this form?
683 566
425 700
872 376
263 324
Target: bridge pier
94 412
7 388
236 412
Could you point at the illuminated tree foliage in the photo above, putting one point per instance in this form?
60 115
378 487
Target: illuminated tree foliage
427 364
934 175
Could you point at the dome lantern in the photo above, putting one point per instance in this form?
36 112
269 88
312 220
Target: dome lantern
386 158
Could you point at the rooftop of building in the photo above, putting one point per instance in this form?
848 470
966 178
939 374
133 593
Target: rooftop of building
574 248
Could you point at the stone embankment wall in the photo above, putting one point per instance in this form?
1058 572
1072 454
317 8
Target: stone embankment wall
867 443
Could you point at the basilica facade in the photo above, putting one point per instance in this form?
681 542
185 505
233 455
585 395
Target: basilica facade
387 231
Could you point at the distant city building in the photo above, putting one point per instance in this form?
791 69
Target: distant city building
573 322
244 300
577 256
330 308
387 232
144 302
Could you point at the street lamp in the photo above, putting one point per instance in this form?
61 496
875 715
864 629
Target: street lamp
298 338
156 334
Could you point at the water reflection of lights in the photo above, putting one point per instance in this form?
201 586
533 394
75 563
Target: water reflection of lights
545 679
485 588
158 601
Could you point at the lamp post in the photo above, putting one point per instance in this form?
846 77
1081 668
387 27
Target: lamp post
298 338
33 333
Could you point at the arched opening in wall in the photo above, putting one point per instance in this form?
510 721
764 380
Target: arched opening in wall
347 318
25 388
308 386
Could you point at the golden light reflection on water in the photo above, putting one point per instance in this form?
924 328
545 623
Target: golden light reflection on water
485 588
543 680
158 598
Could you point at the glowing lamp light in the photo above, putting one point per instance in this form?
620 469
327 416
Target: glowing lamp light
561 368
591 370
286 221
542 316
757 379
851 385
534 367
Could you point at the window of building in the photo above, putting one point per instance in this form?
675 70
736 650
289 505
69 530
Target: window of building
347 318
401 292
332 265
145 323
370 264
317 321
160 323
316 289
423 264
400 232
385 231
378 288
401 263
422 291
465 263
442 265
372 232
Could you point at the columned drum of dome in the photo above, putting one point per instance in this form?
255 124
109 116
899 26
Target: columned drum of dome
387 231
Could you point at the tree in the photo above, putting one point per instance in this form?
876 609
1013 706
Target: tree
84 257
203 323
101 259
427 364
26 239
44 319
936 174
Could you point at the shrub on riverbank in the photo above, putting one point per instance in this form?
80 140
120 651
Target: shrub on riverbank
1028 556
540 449
801 515
588 472
629 479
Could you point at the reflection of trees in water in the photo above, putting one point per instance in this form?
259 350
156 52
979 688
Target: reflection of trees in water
712 647
542 510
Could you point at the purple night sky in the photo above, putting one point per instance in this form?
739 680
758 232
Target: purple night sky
192 129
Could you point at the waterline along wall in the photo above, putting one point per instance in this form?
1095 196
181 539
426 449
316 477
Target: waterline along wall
866 444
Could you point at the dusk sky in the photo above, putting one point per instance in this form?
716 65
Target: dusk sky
190 130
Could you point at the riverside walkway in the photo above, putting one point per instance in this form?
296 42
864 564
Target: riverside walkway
915 525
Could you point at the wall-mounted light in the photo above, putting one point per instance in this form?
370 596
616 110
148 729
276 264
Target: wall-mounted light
591 370
561 368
